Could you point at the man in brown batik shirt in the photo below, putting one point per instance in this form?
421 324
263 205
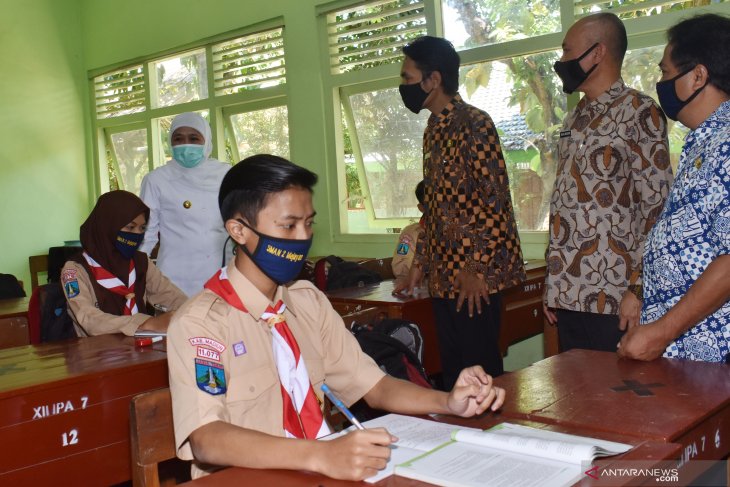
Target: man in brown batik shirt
612 179
471 250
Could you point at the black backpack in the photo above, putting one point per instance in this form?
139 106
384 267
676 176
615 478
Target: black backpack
396 346
56 324
343 274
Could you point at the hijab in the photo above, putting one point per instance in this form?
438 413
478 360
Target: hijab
113 211
197 122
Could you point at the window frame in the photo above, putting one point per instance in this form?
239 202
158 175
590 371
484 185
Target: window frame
216 105
642 32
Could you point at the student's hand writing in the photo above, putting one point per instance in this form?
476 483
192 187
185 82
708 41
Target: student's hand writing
629 311
356 455
409 284
645 342
157 323
474 392
472 289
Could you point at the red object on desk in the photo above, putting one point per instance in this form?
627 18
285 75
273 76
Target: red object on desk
64 409
668 400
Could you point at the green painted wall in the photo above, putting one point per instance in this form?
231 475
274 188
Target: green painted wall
43 156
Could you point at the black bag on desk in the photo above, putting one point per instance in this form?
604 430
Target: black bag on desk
344 274
10 287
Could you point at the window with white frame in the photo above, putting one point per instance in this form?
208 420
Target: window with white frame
507 50
236 83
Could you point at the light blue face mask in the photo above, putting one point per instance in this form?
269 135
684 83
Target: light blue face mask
188 155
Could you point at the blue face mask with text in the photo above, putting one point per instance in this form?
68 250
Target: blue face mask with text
127 243
281 259
188 155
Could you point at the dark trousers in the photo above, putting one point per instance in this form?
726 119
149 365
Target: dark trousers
592 331
465 341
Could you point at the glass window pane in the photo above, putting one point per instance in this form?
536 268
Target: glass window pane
641 71
130 150
180 79
262 132
515 92
390 139
485 22
163 125
637 8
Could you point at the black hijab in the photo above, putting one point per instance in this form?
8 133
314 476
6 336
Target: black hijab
113 211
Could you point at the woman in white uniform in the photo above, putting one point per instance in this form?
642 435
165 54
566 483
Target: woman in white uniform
183 199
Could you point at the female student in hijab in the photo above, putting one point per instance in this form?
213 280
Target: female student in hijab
183 200
108 285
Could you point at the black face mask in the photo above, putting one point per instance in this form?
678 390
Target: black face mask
413 96
668 99
571 73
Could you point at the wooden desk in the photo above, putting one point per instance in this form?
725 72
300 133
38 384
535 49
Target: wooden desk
648 452
64 409
415 308
666 400
14 322
522 315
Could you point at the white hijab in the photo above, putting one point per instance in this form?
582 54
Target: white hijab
197 122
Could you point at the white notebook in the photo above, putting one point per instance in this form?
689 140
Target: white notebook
507 454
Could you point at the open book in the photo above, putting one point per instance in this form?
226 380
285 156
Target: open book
507 454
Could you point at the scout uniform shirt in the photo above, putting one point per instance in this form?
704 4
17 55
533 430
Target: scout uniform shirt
184 210
612 179
406 249
90 320
222 366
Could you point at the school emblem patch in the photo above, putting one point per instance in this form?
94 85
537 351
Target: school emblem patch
403 249
70 283
210 377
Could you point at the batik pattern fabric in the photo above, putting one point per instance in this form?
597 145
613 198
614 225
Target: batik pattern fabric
469 220
612 179
692 231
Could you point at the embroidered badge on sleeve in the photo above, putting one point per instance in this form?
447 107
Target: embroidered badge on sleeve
210 377
70 283
403 249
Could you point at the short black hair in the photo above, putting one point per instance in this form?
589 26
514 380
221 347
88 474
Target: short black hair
436 54
705 40
247 185
615 34
421 191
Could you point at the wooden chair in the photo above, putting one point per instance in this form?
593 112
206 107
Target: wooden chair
152 440
38 264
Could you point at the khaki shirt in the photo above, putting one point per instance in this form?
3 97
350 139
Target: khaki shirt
209 333
406 249
612 179
89 320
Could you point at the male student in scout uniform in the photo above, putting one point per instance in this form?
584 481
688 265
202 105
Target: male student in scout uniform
240 390
409 237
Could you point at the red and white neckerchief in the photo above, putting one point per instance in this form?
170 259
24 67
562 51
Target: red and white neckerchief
302 414
111 282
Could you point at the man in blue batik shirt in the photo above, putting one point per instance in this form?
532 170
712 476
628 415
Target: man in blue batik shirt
686 295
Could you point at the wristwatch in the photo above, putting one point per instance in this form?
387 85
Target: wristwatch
637 290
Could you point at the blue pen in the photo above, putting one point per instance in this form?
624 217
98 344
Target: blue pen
341 407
